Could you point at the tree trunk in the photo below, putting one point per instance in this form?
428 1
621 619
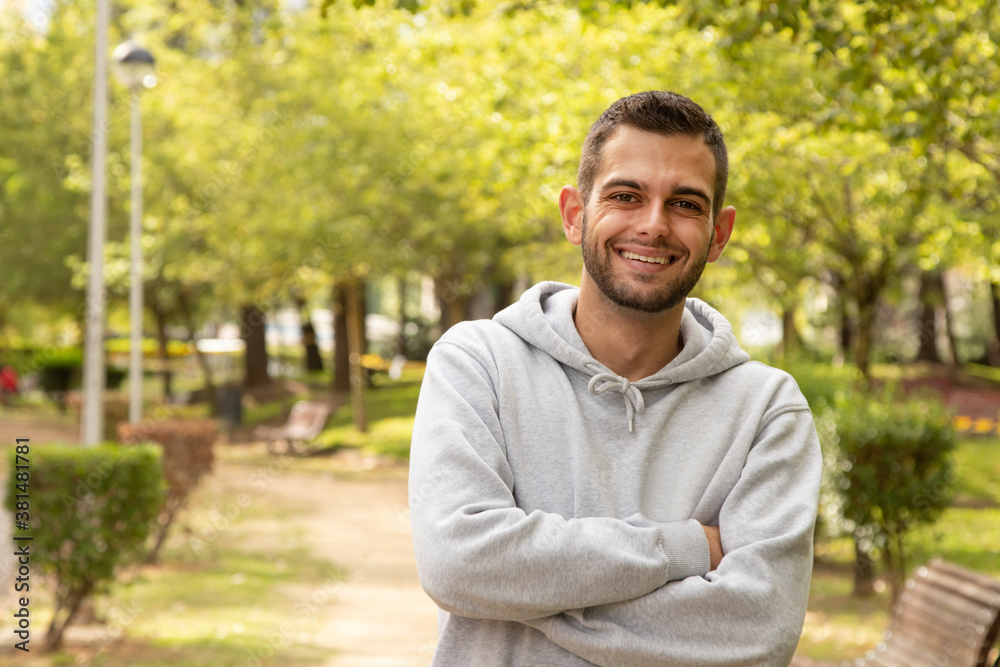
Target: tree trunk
341 356
171 509
504 296
313 359
894 565
57 628
994 346
452 301
161 337
930 298
864 573
356 345
185 307
401 339
949 325
866 329
845 333
255 356
361 303
790 339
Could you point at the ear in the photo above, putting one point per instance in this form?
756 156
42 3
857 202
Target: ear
571 210
721 232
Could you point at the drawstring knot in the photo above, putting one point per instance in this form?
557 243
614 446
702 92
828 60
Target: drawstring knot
602 382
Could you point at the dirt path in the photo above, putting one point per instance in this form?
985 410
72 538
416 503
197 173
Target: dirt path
382 618
21 424
354 517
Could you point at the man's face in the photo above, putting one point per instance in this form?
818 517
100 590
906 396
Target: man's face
648 230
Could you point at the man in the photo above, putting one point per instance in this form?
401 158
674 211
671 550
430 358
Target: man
601 476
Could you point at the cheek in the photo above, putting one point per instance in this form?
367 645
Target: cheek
614 225
693 233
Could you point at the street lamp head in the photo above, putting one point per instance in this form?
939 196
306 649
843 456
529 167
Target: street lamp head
133 65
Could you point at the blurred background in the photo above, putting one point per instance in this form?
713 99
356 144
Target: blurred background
327 186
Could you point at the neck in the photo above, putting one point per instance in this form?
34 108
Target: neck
633 344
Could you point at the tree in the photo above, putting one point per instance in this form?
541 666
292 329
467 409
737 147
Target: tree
894 471
923 74
45 84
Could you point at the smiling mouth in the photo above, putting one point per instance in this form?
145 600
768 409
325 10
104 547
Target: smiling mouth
649 260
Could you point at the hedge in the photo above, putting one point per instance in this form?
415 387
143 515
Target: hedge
187 455
90 511
892 468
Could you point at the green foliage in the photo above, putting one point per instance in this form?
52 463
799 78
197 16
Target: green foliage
390 414
283 151
977 465
91 510
822 384
58 369
893 469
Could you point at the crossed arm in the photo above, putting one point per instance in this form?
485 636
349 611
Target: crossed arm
749 610
612 591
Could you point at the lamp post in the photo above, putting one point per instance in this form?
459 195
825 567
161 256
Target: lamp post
92 410
133 65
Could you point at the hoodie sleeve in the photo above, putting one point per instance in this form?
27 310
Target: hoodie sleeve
750 610
479 555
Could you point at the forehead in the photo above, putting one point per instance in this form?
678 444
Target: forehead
657 160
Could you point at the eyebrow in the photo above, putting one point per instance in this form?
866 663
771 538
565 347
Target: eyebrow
621 182
687 190
635 185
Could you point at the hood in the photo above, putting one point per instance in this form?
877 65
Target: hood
543 317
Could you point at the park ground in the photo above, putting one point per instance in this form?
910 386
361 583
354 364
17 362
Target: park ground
307 561
278 561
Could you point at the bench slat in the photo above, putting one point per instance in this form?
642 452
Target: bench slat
919 641
946 616
942 621
894 655
922 630
305 421
988 596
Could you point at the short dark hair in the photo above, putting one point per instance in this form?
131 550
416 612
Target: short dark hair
660 112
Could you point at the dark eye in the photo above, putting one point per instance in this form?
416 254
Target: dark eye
687 207
624 197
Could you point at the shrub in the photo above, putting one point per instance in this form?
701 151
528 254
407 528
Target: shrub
115 411
90 511
894 470
187 455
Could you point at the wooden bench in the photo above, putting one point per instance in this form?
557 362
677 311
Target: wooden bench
946 616
305 422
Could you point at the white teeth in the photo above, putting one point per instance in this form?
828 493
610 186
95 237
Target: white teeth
642 258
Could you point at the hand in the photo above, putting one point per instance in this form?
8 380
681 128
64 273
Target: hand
714 545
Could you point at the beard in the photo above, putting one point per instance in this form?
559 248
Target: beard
619 290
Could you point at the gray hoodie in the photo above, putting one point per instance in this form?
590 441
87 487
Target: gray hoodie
557 507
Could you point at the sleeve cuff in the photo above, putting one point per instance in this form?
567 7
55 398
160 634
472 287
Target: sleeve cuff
686 548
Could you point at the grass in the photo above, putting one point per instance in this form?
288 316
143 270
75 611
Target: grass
986 372
258 413
390 407
246 594
839 626
977 466
219 609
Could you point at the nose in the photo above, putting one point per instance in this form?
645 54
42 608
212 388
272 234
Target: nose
654 221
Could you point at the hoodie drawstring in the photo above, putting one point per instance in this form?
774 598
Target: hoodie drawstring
602 382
